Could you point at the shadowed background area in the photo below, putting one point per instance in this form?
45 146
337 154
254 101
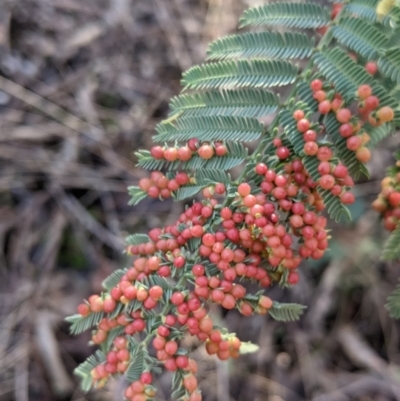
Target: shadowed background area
82 84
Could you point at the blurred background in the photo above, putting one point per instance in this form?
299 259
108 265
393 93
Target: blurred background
82 85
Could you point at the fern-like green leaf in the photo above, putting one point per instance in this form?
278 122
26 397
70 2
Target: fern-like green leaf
286 312
340 69
194 244
154 279
292 15
305 94
79 324
394 39
212 177
289 124
389 64
255 73
334 207
135 369
242 102
393 303
376 134
263 45
133 306
360 36
367 9
391 250
210 129
137 239
113 279
187 192
347 157
84 369
363 8
178 391
136 194
117 311
394 16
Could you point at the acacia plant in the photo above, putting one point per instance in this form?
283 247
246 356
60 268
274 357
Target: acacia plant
261 212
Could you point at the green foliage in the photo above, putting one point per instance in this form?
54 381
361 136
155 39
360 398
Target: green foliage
242 103
226 96
340 69
255 73
367 10
305 95
222 128
292 15
377 134
389 64
394 16
136 194
113 279
84 369
178 391
187 192
135 369
391 251
153 280
393 303
394 39
286 312
360 36
363 8
289 125
212 177
79 324
136 239
262 44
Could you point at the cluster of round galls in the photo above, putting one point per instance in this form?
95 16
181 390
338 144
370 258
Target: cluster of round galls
224 347
388 201
184 153
141 390
159 186
267 237
117 361
249 231
226 250
368 107
351 125
333 176
163 256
